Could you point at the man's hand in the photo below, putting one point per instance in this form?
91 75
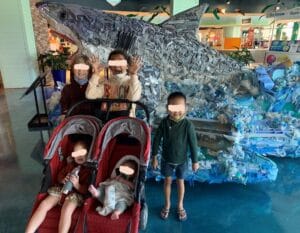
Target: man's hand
195 166
155 162
134 66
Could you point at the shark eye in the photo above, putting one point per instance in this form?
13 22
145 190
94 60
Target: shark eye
62 15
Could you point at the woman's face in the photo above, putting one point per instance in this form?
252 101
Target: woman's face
79 72
117 69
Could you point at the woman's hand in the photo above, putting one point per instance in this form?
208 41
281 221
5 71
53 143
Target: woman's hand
134 66
97 66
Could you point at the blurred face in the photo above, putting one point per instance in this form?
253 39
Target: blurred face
80 153
81 70
118 69
177 108
128 168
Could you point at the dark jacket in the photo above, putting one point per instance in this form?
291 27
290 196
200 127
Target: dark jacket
71 94
176 138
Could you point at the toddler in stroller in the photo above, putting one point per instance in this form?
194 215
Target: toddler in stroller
116 193
74 175
121 140
68 172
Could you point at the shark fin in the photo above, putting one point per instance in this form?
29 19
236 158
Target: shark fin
186 22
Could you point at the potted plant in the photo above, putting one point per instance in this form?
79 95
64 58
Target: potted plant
242 55
57 60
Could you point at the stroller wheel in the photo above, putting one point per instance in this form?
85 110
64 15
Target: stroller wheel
144 216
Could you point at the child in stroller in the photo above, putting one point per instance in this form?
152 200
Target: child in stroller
122 139
56 194
117 193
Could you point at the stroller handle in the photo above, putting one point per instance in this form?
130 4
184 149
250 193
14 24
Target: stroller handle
109 102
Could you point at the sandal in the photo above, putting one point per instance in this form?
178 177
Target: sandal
164 213
182 216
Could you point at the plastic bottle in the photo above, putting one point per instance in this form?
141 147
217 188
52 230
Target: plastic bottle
69 185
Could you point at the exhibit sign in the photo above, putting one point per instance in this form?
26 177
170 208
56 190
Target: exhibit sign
293 13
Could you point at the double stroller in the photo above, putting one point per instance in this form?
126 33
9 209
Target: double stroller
119 139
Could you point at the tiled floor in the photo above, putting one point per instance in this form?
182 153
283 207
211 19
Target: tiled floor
226 208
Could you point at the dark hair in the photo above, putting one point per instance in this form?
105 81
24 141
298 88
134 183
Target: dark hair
85 139
117 52
176 94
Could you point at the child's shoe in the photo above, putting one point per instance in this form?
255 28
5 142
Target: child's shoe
182 216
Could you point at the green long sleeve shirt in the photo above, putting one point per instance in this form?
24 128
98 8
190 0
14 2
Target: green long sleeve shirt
176 137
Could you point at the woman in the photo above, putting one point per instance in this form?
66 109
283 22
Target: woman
122 83
81 72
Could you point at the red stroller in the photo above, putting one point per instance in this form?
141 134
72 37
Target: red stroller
119 138
55 155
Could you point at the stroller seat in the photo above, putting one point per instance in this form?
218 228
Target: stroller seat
120 139
97 223
56 152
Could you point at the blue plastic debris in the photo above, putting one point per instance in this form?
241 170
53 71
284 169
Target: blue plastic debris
264 78
266 122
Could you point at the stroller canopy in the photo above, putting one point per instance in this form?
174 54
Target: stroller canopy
134 128
73 125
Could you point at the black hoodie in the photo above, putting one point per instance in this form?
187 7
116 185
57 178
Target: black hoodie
71 94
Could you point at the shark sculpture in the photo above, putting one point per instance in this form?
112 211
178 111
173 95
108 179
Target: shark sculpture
174 59
172 46
170 51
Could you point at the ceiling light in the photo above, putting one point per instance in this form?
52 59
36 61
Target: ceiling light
227 2
223 10
113 2
277 8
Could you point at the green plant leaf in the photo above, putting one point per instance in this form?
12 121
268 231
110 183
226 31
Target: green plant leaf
57 60
243 56
152 17
267 7
260 17
215 13
131 15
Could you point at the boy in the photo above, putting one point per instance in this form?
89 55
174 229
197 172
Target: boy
177 133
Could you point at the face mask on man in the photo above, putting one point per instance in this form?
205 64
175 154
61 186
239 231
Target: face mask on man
81 81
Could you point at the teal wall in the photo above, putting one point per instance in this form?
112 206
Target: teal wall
232 31
234 20
182 5
17 46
